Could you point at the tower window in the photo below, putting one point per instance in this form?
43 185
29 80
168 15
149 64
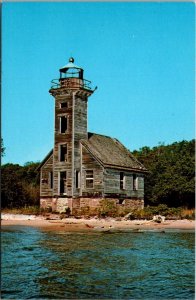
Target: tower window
89 179
63 124
63 152
63 105
62 182
122 181
135 182
77 179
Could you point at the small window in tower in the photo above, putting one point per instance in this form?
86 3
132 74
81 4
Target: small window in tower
77 179
63 105
63 152
122 181
89 179
135 182
62 182
63 124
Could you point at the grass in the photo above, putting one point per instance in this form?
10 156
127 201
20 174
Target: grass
26 210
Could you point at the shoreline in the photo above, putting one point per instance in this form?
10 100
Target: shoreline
53 223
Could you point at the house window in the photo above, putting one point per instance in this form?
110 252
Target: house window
63 105
62 182
89 179
51 179
63 152
122 181
77 179
135 182
63 124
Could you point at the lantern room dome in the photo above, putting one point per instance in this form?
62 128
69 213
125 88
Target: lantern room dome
70 65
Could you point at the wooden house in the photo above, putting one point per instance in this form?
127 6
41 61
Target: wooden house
84 167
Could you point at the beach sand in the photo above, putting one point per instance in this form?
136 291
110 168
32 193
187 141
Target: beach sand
53 223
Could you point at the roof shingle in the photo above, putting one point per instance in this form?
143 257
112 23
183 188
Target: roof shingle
111 153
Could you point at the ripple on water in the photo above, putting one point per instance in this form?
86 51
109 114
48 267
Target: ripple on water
56 265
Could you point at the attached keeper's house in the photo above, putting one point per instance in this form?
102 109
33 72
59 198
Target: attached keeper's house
85 167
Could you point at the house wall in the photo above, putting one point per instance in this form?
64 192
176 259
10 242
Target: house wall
45 188
46 192
112 184
89 163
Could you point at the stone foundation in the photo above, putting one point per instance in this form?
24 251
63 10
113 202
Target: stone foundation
46 203
90 206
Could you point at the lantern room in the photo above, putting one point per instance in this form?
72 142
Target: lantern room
71 76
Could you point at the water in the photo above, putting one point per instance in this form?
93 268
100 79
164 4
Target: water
58 265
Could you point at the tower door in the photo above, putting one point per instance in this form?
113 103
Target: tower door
62 183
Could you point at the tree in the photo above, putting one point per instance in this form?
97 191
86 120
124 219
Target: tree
171 173
2 148
11 186
19 185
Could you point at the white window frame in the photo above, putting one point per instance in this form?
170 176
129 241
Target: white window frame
89 178
135 182
77 178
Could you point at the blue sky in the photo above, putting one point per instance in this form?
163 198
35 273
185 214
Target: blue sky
140 55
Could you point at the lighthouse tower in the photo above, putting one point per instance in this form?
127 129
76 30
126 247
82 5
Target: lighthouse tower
71 92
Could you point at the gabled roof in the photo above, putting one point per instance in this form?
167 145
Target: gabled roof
111 153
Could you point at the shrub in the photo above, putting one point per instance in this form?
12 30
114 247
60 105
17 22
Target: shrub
188 214
107 208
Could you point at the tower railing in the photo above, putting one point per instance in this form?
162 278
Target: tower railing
71 82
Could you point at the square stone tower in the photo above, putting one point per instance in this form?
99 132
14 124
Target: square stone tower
71 92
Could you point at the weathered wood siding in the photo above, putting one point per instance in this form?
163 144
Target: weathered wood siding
79 111
112 184
89 163
45 189
80 132
62 138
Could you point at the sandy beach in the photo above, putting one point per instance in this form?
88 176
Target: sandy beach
54 223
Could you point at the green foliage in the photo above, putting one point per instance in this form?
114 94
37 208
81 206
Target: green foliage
171 173
26 210
2 148
169 212
107 209
19 185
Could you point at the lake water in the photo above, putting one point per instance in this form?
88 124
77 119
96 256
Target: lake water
131 265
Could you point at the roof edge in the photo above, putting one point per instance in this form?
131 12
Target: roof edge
118 167
83 142
44 160
131 155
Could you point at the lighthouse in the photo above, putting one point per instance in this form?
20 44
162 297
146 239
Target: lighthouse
83 168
